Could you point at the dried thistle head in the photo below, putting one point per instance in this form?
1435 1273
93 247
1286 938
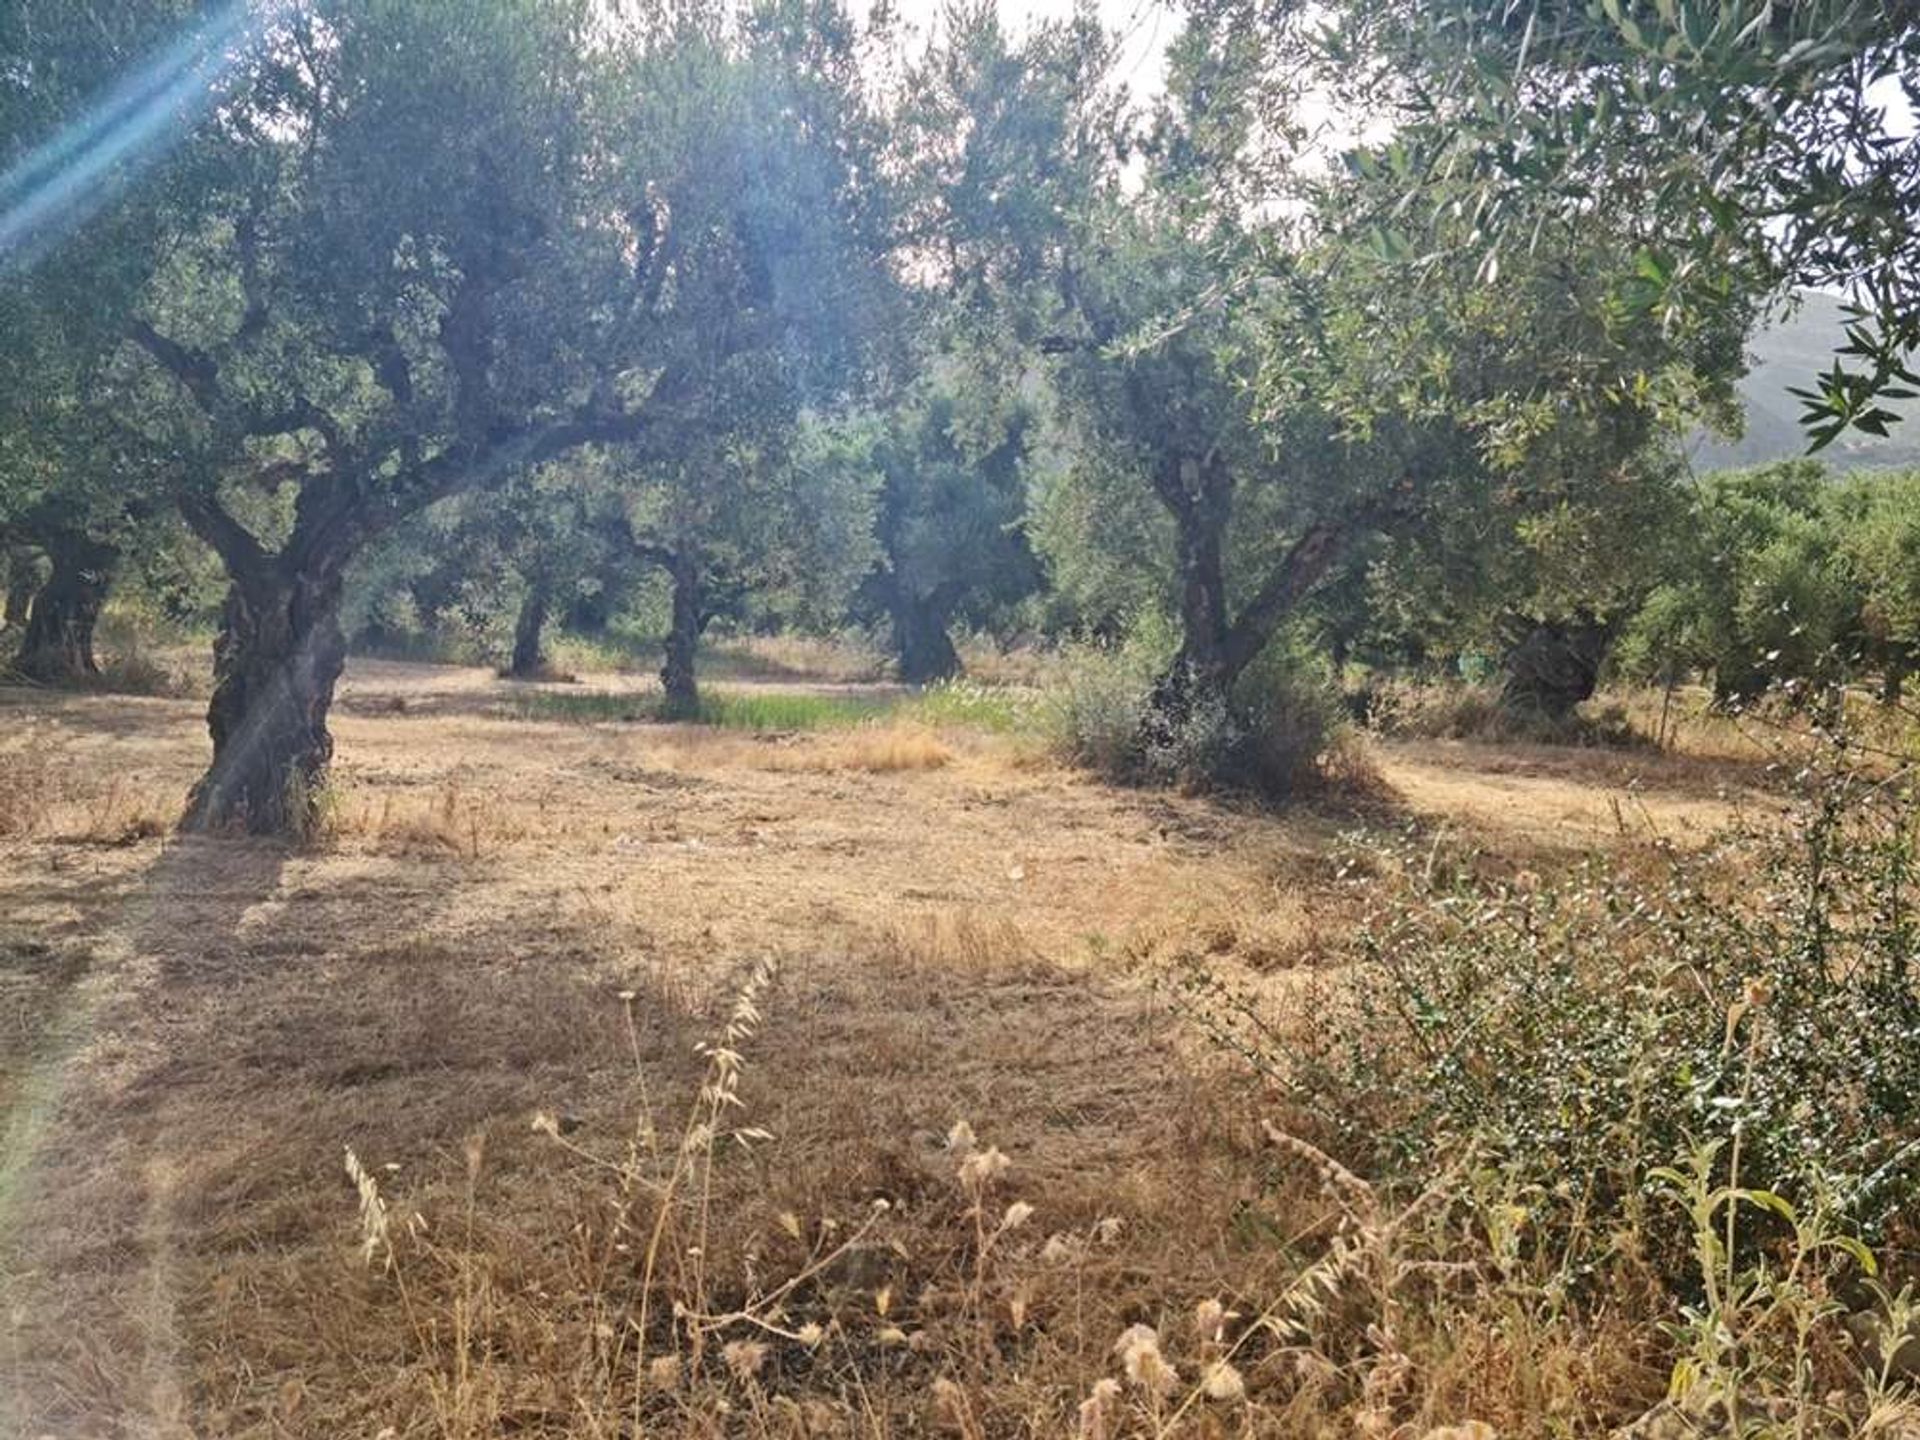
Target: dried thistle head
744 1358
1061 1248
1098 1411
982 1168
1210 1321
1222 1382
1139 1350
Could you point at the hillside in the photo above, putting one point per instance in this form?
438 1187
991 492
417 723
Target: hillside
1788 355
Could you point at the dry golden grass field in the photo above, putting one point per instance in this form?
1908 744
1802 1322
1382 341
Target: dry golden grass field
696 1081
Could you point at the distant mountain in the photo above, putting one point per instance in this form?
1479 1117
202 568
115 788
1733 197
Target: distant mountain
1790 354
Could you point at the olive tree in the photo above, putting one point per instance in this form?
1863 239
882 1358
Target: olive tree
75 486
1743 144
450 244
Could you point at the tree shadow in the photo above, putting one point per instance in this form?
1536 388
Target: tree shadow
249 1011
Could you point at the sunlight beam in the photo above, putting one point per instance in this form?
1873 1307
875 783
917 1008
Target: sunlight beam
59 184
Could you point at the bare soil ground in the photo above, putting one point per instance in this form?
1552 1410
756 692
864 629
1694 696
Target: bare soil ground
510 918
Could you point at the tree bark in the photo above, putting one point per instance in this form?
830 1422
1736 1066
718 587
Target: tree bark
1215 646
1198 495
58 645
529 660
920 638
1893 679
1553 666
23 579
683 639
279 653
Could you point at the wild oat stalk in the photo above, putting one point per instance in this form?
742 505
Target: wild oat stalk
376 1240
719 1093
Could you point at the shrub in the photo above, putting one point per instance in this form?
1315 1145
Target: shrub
1474 710
1100 705
1577 1033
1292 737
1279 733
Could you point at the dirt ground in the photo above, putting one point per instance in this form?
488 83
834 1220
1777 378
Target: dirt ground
509 918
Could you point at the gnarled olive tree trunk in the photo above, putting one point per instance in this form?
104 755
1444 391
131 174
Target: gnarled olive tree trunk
920 640
58 644
677 678
1552 666
1216 645
279 654
529 660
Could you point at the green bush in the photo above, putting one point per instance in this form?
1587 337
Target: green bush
1279 733
1575 1034
1101 703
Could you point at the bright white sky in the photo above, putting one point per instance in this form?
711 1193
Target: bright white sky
1145 27
1893 105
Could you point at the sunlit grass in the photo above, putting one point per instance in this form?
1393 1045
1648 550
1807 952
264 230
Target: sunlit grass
772 710
967 704
954 705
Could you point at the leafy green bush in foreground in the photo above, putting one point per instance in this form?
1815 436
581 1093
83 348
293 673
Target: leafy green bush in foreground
1684 1088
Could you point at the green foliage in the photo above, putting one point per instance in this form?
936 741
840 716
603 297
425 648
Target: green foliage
1740 141
1788 577
1578 1032
1876 517
947 466
1276 733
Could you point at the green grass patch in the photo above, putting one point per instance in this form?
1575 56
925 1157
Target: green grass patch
969 705
790 709
957 705
769 710
582 707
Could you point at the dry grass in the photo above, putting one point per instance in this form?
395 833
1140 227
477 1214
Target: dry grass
1029 665
878 749
1688 724
43 796
490 983
831 659
445 820
950 942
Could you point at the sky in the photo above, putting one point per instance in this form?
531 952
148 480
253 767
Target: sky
1146 26
1886 94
